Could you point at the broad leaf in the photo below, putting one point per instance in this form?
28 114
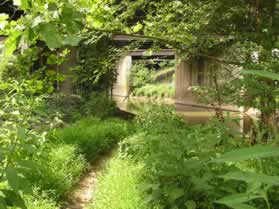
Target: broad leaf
13 199
3 17
51 35
263 74
242 206
252 177
255 152
175 193
137 27
72 40
13 179
237 199
11 42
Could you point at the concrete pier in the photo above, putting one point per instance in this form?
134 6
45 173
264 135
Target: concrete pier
122 85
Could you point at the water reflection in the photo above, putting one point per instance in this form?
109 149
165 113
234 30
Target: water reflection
191 114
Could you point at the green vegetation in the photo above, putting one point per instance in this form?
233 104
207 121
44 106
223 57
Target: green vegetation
197 166
93 136
47 140
151 83
155 90
66 157
118 186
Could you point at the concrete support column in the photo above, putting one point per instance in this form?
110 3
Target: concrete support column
183 80
190 73
122 85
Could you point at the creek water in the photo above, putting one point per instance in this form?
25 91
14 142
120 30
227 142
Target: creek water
190 113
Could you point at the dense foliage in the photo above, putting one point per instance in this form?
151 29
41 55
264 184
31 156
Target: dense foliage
175 165
203 166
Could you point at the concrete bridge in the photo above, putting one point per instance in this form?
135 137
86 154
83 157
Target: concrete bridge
188 73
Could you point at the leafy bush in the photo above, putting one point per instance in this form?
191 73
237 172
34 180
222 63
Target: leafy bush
140 75
183 168
93 136
99 104
176 159
155 90
157 119
69 106
74 107
117 187
59 170
39 200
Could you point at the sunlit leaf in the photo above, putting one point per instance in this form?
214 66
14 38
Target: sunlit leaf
237 199
51 35
190 204
252 177
13 179
255 152
263 74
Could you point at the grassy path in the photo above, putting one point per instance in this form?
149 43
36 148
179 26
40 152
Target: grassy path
83 193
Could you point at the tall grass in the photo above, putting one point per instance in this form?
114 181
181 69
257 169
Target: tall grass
118 186
58 170
67 155
93 136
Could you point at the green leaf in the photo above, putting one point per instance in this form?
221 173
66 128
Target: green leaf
252 177
21 132
13 199
190 204
29 148
13 179
255 152
242 206
24 4
263 74
175 193
36 21
11 42
3 204
72 40
3 17
50 34
237 199
137 27
52 59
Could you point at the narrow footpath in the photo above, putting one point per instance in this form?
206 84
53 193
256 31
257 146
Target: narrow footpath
83 193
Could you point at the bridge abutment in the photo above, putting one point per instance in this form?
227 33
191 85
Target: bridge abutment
122 84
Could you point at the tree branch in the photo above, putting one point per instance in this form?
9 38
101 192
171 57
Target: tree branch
174 44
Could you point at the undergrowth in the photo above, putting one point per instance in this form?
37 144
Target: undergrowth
93 136
118 186
185 166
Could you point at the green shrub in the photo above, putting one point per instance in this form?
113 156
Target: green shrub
39 200
59 170
155 90
158 118
140 75
117 186
99 104
176 159
93 136
69 106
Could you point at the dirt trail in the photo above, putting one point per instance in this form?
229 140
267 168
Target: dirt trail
83 193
